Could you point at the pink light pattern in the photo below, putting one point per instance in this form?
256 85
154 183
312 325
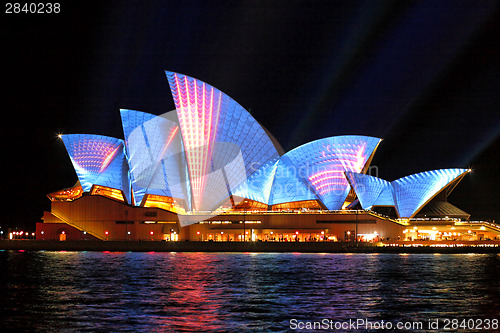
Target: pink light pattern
108 159
198 108
94 155
171 136
334 161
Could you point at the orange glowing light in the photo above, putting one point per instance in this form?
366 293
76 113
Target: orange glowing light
107 192
68 194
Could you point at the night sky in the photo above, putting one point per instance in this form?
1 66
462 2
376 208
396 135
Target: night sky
422 75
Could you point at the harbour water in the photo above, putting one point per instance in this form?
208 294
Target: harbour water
44 291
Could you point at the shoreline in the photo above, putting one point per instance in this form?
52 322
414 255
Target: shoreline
257 247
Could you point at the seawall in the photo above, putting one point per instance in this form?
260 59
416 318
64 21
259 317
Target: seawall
279 247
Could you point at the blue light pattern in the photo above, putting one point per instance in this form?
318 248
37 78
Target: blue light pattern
414 191
386 197
98 160
155 155
408 194
258 186
288 186
371 191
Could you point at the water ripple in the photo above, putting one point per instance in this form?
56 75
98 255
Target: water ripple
221 292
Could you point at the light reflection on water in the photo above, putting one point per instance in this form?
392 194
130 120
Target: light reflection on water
156 292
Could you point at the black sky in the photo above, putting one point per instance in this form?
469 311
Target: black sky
422 75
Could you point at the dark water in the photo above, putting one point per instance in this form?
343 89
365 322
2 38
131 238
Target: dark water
161 292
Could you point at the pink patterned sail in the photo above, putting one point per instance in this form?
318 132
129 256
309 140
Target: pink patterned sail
224 144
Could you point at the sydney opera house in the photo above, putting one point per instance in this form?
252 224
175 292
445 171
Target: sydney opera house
208 171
